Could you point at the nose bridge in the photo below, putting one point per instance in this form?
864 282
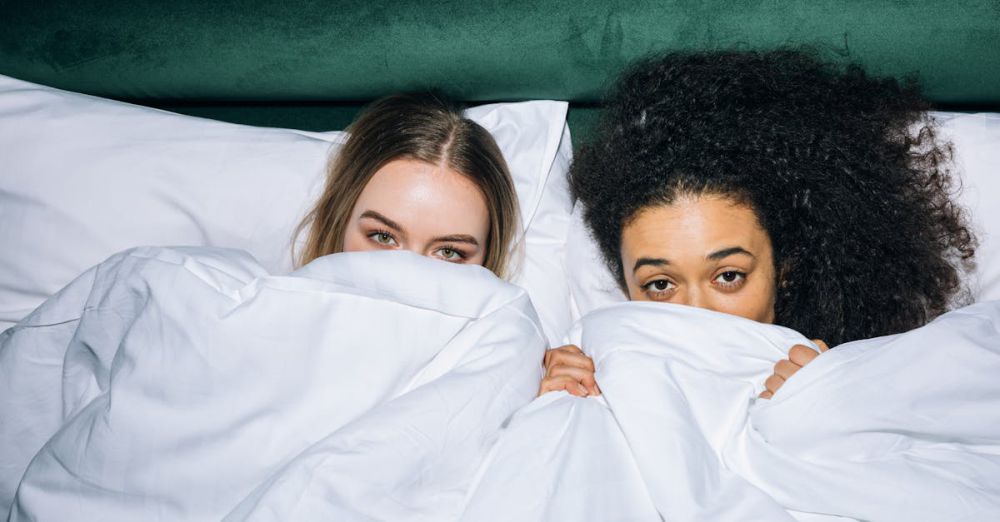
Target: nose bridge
695 296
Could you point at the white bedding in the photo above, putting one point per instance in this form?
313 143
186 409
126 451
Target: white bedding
187 384
903 428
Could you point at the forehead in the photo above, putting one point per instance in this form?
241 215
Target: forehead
425 197
693 226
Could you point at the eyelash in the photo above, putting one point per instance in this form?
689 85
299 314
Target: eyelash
375 233
648 288
731 285
726 285
462 255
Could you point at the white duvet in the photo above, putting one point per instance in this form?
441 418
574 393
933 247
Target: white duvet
904 428
187 384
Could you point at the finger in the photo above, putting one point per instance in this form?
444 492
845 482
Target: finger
579 374
584 377
567 348
570 348
802 355
766 394
822 346
578 360
773 383
785 369
562 382
552 351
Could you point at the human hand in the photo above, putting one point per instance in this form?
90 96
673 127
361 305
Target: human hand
568 368
798 356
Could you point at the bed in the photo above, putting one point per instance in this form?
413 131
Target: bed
309 66
293 73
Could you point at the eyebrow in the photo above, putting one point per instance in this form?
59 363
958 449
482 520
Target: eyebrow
385 221
457 238
649 261
714 256
726 252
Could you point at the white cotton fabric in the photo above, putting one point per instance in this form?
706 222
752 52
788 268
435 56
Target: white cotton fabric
976 141
898 428
591 284
82 178
188 384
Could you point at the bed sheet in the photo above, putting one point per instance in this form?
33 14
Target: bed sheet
188 384
170 384
904 427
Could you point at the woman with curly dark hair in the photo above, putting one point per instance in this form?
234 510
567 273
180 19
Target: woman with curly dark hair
776 187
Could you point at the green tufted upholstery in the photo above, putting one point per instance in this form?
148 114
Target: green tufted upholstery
310 63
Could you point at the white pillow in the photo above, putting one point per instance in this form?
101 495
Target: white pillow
591 283
976 138
83 177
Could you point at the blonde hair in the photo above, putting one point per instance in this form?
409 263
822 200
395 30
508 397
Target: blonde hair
419 127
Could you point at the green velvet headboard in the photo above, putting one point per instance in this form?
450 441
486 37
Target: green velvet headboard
310 63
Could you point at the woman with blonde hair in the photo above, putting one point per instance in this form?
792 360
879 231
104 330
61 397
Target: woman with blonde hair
416 175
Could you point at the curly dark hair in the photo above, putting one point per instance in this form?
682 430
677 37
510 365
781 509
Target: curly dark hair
842 169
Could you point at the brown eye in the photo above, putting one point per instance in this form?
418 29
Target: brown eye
730 278
658 286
